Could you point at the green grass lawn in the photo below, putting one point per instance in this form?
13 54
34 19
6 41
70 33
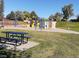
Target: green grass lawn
53 44
68 25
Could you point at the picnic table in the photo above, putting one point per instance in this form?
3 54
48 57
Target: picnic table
16 36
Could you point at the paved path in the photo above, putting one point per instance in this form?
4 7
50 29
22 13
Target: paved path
23 47
62 31
51 30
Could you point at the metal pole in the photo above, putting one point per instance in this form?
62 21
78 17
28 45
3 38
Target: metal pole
2 11
15 21
3 20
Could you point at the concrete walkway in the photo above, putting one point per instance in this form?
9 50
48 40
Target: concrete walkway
51 30
62 31
23 47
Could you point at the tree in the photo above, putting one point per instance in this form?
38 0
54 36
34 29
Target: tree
50 17
67 12
58 16
11 16
8 16
15 15
33 15
19 15
26 15
77 18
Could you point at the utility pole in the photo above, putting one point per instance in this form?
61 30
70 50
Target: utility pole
15 21
2 11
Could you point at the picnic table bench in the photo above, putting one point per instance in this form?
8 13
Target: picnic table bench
2 46
10 40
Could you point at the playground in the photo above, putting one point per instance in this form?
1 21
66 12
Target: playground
41 24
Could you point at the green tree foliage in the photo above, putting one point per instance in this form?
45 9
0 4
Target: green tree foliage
67 11
51 17
26 15
77 18
11 16
15 15
19 15
33 14
58 16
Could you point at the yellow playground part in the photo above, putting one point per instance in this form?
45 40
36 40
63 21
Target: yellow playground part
38 25
33 25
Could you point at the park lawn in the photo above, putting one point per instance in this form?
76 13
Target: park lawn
53 44
68 25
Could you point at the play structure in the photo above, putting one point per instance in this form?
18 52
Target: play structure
40 23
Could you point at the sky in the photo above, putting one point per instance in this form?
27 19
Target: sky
43 8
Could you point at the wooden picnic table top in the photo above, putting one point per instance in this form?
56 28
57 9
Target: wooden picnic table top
11 32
